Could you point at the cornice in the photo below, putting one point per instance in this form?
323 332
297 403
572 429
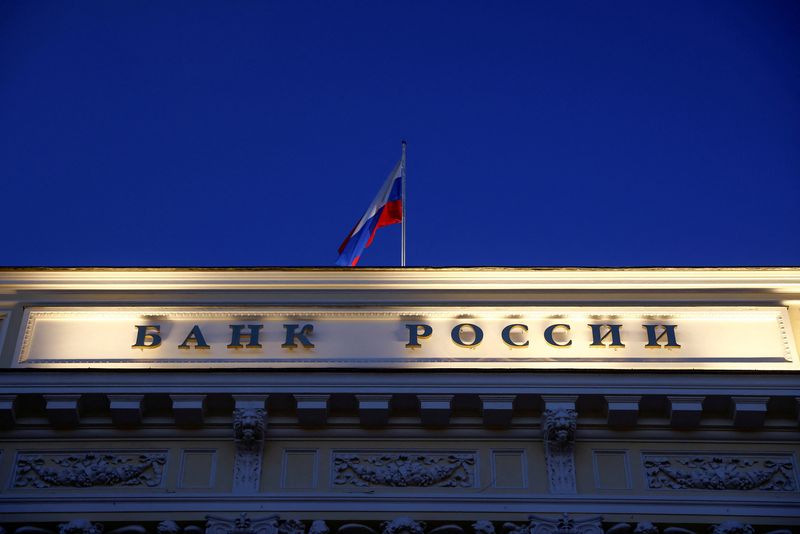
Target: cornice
777 280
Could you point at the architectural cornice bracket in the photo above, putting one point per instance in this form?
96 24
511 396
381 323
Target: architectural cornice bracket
435 410
622 411
497 410
749 412
8 411
126 410
312 409
188 410
373 410
62 410
685 412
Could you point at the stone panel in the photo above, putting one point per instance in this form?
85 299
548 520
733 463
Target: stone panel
198 469
509 469
300 469
611 470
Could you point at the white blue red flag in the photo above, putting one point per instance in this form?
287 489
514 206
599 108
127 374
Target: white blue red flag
385 209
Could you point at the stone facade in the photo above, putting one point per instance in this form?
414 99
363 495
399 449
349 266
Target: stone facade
417 450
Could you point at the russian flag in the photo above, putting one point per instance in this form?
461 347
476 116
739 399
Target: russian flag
385 209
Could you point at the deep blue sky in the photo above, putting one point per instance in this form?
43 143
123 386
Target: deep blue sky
540 133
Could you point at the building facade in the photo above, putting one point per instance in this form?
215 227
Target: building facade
389 401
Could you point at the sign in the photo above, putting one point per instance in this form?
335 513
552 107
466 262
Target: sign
712 338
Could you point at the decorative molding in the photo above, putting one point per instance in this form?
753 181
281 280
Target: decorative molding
563 525
731 527
168 527
4 314
318 526
785 279
558 429
404 469
483 527
403 525
720 472
249 426
89 469
80 526
292 526
241 525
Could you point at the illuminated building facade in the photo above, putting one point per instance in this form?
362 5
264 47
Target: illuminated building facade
391 401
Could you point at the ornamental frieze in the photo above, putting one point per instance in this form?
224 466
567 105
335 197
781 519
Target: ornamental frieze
718 472
404 469
92 469
243 524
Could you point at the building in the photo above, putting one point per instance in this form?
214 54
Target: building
391 401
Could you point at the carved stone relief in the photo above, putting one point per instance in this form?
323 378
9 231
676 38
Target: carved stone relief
83 470
563 525
248 431
241 525
80 526
273 524
732 527
718 472
403 525
558 430
401 469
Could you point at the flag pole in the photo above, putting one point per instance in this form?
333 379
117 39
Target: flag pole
403 203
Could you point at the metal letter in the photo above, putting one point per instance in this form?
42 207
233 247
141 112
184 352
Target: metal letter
613 329
416 331
507 335
456 335
291 335
653 340
142 336
252 336
548 335
196 337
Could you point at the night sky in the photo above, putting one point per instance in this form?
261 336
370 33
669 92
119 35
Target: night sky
539 133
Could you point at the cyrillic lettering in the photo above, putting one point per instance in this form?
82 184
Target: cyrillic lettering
455 334
653 340
151 332
251 335
548 335
613 329
301 336
506 335
416 331
196 337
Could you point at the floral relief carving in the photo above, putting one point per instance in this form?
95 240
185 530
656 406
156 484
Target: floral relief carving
83 470
720 473
395 469
242 525
80 526
562 525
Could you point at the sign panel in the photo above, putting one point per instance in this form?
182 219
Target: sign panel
712 338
